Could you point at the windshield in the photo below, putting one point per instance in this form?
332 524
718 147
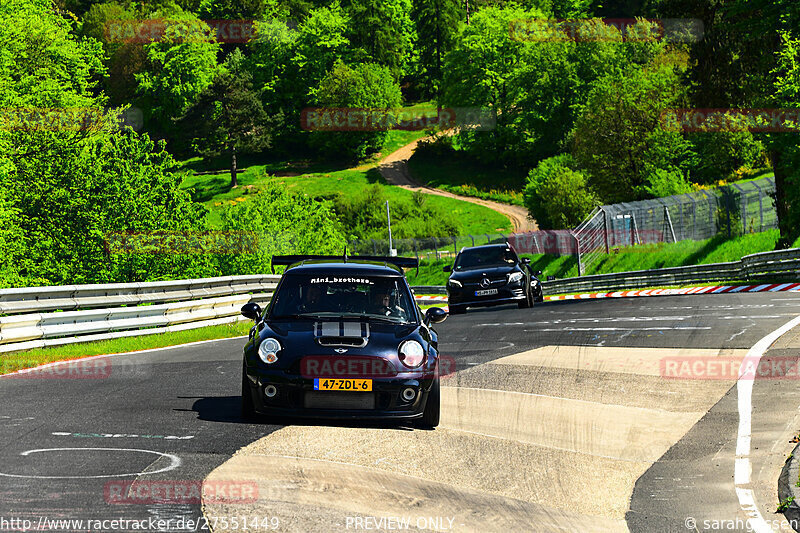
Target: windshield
312 296
483 257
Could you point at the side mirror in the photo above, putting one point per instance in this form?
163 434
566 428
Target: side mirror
435 315
252 311
446 269
525 261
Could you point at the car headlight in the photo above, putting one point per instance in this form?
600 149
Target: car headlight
268 351
454 283
411 354
514 276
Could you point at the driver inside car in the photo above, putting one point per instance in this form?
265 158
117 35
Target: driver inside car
382 304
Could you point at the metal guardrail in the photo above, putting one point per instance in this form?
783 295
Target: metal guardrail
777 264
80 313
83 313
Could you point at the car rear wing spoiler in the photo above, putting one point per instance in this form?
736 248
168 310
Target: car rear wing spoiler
401 262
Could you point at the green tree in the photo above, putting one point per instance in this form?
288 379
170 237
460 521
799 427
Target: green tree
364 86
382 31
484 70
179 67
619 138
228 117
437 23
784 148
288 64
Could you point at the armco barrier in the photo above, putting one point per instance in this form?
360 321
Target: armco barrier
81 313
783 264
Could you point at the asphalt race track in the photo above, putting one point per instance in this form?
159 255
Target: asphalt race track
558 418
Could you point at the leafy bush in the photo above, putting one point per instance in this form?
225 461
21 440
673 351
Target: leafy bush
721 153
662 183
364 216
558 196
285 223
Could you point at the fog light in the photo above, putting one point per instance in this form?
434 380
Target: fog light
270 391
409 394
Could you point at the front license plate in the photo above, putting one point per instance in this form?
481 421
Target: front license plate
487 292
353 385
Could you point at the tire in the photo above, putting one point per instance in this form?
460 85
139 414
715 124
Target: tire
457 309
527 302
430 416
248 410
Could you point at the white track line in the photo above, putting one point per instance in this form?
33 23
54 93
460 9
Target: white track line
744 390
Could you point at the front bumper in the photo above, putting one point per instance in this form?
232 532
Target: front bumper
505 295
295 393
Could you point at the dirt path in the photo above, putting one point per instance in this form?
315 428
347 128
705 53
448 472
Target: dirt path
394 169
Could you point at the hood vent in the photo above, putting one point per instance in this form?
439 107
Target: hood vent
348 334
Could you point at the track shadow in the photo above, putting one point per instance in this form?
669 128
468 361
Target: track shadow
227 409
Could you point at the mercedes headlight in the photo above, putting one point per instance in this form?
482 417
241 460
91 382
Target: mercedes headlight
454 283
514 277
412 354
268 351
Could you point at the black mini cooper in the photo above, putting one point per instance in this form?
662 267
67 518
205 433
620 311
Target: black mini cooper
342 338
492 274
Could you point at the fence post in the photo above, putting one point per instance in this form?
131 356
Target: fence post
760 207
578 250
471 236
669 221
743 202
605 228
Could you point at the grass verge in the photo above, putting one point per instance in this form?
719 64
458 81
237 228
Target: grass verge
39 356
474 218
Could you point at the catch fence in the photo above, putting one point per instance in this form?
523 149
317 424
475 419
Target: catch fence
732 210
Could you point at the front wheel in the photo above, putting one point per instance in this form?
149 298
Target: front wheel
527 302
248 411
430 416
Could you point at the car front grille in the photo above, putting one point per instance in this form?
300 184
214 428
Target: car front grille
339 400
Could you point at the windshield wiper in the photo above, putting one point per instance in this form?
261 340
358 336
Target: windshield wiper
375 318
296 316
